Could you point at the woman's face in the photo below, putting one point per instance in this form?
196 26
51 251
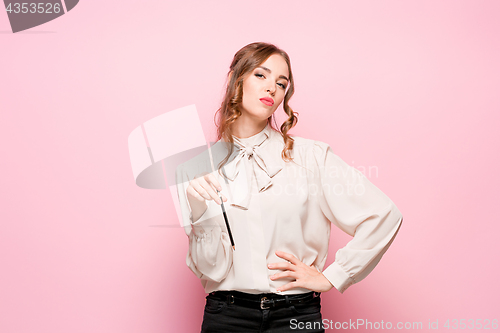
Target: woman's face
264 88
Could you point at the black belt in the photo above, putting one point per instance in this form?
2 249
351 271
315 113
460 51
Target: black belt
263 301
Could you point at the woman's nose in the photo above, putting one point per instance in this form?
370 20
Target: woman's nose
271 89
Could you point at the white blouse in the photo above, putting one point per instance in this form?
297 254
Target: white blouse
288 206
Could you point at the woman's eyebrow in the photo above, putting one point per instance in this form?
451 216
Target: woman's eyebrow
268 70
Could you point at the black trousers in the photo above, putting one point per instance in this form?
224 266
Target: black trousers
223 317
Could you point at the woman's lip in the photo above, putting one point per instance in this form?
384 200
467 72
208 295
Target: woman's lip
267 101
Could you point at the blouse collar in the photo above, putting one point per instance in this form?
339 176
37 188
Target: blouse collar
263 155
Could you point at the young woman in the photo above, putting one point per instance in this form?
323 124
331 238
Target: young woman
281 194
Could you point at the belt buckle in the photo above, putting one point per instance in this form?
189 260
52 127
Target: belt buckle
262 305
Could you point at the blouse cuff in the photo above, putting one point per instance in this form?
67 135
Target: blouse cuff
200 219
338 277
204 224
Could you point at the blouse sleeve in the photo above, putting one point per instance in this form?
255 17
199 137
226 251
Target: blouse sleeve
356 206
210 256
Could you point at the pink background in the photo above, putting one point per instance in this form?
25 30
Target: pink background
408 87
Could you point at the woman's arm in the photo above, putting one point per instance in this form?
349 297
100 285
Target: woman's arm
210 254
356 206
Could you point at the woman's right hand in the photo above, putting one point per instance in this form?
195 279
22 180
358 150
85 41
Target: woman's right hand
203 187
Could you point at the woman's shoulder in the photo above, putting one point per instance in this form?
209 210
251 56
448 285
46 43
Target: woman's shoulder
300 142
302 146
318 152
310 149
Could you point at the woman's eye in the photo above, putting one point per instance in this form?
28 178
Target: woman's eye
262 76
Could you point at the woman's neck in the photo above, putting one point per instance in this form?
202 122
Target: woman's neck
246 129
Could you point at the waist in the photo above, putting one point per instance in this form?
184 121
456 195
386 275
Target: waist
263 301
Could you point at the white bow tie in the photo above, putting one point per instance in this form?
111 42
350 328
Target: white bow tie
263 163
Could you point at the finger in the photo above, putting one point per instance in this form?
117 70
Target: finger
210 190
284 275
288 286
205 190
195 194
212 180
290 257
282 265
198 191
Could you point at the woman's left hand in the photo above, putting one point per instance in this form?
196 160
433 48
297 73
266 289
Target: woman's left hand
307 277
